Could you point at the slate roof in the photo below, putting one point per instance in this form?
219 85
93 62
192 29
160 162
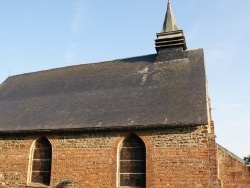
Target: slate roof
167 89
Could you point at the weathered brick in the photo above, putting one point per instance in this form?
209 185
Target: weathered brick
232 172
177 157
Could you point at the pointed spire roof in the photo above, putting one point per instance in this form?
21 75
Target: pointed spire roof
169 22
170 36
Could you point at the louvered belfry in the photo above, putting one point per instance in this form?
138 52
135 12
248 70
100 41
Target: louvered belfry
170 37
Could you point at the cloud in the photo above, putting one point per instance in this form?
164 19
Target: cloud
193 32
75 27
77 19
221 52
223 107
243 123
229 46
70 54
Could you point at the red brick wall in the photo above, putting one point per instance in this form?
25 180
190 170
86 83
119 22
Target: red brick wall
232 171
179 157
14 161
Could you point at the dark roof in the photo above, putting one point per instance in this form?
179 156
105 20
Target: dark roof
164 89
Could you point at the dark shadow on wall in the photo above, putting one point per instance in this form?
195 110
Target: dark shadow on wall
69 184
64 184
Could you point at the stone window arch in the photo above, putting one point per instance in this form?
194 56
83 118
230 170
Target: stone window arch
40 162
132 163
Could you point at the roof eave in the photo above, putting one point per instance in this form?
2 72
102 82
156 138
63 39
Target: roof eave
108 128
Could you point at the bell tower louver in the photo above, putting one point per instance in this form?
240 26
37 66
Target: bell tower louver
170 36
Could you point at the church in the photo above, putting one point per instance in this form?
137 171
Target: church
127 123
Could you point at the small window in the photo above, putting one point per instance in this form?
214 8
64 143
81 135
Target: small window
132 163
41 162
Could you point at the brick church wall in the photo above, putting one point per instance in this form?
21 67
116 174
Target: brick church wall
232 171
175 157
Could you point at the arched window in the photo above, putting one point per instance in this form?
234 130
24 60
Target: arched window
132 171
41 162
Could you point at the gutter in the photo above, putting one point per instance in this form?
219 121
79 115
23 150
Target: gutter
96 129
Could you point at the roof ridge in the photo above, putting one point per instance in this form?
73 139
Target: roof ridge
82 64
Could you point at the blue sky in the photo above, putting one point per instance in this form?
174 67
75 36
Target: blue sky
45 34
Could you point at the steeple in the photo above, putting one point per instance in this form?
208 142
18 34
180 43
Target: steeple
169 22
170 36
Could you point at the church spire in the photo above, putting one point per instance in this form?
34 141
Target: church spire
169 22
170 36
